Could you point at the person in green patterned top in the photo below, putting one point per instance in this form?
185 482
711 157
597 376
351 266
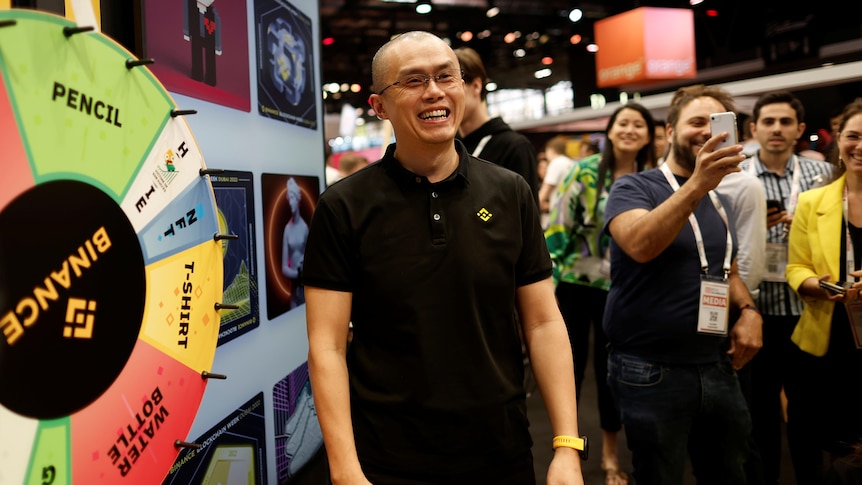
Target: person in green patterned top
578 249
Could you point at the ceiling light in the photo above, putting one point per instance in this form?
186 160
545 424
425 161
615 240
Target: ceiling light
492 12
592 48
576 14
509 38
576 39
542 73
466 36
423 7
519 53
547 60
491 86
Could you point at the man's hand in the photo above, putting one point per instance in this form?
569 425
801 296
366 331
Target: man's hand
775 217
565 468
713 164
746 338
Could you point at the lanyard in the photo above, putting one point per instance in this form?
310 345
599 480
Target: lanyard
481 146
794 183
695 227
850 257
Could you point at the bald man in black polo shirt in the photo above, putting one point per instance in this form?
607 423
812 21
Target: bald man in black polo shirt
430 252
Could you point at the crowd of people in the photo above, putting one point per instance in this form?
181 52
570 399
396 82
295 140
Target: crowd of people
700 273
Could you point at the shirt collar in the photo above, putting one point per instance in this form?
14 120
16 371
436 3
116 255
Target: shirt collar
760 168
406 178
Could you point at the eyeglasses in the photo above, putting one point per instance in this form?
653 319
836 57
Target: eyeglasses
851 137
446 79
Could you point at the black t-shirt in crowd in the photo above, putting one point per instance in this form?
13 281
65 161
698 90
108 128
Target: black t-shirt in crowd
436 366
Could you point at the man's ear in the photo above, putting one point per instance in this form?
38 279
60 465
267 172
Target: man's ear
800 130
376 103
475 85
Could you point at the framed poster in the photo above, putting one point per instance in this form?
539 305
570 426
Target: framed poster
231 452
297 432
200 48
285 63
234 194
288 204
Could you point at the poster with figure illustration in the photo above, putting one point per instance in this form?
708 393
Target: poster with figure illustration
234 194
200 49
286 89
288 204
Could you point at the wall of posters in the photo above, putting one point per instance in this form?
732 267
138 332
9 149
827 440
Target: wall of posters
259 155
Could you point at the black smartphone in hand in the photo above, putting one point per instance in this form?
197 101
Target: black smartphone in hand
774 204
836 289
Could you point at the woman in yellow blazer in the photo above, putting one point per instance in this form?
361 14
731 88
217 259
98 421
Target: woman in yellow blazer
823 392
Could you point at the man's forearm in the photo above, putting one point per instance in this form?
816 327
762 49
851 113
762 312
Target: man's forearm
643 235
329 383
552 365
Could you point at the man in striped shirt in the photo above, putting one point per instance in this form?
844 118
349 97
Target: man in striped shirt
777 123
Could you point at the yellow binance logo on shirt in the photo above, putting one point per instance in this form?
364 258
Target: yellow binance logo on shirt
484 214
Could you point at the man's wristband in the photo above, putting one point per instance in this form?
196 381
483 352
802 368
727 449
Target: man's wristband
581 444
749 306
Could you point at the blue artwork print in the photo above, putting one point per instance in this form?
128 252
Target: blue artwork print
285 66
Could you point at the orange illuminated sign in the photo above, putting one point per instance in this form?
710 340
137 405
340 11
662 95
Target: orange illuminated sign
645 44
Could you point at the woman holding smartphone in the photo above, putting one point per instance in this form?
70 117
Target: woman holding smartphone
826 246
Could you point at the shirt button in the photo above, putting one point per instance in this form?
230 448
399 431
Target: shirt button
418 180
434 194
436 217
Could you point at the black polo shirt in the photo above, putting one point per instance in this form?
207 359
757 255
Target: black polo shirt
436 369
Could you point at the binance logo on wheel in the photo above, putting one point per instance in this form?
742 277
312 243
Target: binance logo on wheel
80 315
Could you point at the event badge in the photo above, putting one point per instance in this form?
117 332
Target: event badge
854 314
713 308
776 262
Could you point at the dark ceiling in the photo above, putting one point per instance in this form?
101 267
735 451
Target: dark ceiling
742 30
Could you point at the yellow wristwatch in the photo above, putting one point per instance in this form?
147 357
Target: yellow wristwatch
581 444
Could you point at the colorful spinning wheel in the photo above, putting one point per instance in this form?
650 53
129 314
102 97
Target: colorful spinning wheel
110 271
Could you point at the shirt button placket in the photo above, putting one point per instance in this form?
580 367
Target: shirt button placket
438 232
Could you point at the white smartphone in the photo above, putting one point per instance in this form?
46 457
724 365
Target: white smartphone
719 122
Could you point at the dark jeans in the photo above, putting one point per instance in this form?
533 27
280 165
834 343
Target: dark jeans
768 375
671 411
583 308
